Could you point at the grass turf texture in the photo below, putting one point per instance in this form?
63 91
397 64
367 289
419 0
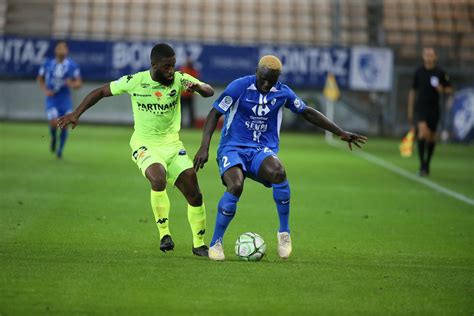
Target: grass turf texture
78 235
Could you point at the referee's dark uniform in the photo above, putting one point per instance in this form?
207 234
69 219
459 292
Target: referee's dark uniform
427 83
427 107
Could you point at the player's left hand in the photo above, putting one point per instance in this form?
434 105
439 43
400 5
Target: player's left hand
352 138
191 86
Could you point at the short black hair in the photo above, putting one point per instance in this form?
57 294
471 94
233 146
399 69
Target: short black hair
61 42
160 51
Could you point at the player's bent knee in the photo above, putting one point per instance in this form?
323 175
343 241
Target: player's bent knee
156 175
278 175
157 184
235 188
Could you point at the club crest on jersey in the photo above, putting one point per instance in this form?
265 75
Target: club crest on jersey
273 101
261 109
158 94
297 103
226 102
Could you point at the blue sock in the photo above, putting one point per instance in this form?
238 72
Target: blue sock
52 131
281 195
225 213
62 139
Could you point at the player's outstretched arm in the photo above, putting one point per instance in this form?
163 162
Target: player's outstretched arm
203 89
210 125
317 118
92 98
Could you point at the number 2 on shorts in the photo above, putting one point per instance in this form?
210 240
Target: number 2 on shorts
225 160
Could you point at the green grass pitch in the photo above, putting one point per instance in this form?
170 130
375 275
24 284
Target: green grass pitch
77 236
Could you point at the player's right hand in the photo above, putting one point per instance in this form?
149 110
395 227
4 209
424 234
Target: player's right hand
49 93
68 119
200 158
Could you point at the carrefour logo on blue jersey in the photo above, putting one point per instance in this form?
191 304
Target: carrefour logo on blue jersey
261 109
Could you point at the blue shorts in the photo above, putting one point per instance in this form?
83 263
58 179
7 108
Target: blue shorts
250 159
57 106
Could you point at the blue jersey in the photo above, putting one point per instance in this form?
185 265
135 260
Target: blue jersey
253 119
55 75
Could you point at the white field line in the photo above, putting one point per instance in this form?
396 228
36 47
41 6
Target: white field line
387 165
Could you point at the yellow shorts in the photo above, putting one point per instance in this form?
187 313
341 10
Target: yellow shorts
169 153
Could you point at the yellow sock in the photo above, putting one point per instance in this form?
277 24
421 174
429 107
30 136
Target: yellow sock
197 221
160 204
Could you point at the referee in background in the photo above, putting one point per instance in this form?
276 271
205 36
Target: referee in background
423 105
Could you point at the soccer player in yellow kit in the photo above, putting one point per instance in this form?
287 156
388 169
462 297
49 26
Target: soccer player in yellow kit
156 147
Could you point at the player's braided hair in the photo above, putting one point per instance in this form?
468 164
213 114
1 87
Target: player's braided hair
270 62
160 51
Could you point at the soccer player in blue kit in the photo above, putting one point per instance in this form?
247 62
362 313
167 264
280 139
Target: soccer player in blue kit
253 108
56 77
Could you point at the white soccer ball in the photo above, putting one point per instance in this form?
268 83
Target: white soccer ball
250 247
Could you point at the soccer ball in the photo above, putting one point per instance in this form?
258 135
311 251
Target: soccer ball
250 247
